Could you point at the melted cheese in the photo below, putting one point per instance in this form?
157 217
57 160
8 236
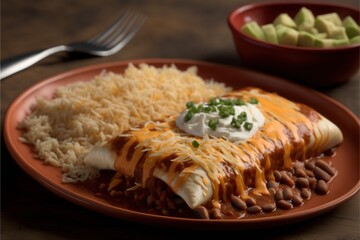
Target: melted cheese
287 132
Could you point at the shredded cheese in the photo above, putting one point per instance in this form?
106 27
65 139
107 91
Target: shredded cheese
222 159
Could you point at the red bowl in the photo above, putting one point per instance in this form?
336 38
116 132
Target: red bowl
315 67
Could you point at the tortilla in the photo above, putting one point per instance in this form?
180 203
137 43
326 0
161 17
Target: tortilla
219 168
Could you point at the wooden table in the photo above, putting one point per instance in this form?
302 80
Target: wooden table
174 29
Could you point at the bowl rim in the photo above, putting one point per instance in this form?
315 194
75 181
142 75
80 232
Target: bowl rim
243 8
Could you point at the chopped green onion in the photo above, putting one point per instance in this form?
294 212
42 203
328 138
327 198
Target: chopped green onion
213 101
248 126
195 144
226 111
224 114
192 109
213 124
253 101
206 109
226 102
242 116
199 108
188 116
190 105
213 109
239 102
236 123
232 111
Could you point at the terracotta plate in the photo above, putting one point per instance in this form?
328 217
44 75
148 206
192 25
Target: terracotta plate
346 161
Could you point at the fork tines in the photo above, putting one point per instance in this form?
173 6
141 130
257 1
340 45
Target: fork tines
121 31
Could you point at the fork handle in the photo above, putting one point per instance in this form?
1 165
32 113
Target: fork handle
21 62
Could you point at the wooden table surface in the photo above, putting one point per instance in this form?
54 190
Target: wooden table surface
174 29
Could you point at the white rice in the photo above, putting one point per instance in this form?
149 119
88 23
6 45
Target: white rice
84 114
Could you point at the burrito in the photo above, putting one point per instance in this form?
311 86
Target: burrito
228 146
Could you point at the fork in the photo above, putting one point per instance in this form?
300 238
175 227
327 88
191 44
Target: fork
103 44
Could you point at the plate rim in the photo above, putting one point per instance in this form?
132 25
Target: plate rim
133 215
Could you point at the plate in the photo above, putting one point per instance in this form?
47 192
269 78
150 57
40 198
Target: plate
346 161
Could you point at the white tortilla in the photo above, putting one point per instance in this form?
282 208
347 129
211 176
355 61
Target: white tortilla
194 191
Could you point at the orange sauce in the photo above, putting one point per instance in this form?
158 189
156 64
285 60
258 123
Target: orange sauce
286 133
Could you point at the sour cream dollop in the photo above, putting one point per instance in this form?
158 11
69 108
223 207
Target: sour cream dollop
243 122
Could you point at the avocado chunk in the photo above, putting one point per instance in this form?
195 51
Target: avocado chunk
306 39
321 35
285 20
270 33
324 43
355 40
313 31
323 25
339 33
286 35
351 27
304 19
331 17
254 30
341 42
331 30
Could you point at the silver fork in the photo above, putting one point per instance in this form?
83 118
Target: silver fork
104 44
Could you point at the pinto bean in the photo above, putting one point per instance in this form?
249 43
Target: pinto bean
150 200
310 173
216 213
277 175
250 202
310 165
312 182
288 194
202 212
272 191
325 166
321 174
287 180
279 195
305 193
297 200
283 204
321 187
271 184
302 182
238 203
268 207
254 209
299 172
